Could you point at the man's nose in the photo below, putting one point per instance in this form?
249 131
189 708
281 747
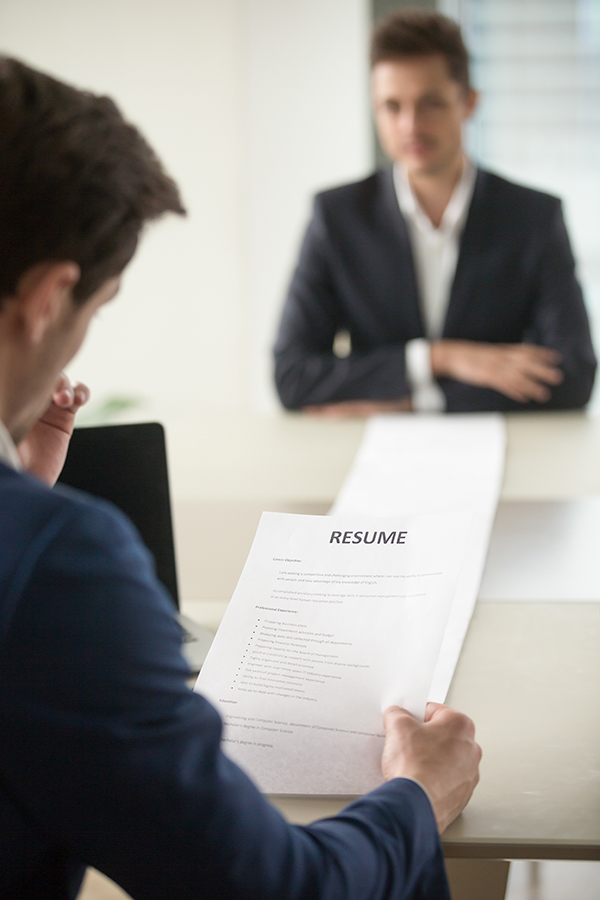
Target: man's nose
407 121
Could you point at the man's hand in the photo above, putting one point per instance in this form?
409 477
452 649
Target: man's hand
522 372
441 754
44 449
349 409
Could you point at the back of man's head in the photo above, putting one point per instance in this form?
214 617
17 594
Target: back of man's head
407 34
77 182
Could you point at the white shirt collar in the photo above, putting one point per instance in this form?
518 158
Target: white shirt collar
8 451
456 211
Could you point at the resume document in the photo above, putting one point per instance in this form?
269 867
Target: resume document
333 619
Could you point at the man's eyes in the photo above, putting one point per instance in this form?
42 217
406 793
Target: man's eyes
432 103
426 104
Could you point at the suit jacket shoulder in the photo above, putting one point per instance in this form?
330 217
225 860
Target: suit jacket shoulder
364 187
37 522
358 197
27 500
508 205
512 192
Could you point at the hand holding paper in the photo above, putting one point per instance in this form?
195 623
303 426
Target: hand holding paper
441 754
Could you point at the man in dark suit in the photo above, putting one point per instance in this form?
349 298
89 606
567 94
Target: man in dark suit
454 289
107 758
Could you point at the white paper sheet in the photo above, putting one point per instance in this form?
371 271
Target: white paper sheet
439 463
330 623
544 550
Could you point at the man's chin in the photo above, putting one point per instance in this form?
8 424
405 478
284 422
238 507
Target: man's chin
423 164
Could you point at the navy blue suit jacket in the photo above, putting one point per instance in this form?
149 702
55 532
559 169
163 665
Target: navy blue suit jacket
108 759
515 282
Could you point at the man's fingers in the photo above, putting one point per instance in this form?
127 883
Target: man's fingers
435 714
63 395
525 372
541 371
394 715
359 408
523 387
68 396
62 383
542 354
82 394
317 410
533 368
433 709
523 390
438 714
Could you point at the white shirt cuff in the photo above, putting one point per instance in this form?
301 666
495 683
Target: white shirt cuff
427 396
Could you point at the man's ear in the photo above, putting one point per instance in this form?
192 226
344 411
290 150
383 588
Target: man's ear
471 101
44 293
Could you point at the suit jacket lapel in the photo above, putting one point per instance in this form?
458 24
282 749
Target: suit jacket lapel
470 246
399 252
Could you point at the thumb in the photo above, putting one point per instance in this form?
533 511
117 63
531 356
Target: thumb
396 716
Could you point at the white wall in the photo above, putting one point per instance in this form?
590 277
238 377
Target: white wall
252 105
306 120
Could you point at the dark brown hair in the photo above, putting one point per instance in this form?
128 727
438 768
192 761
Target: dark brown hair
77 182
412 33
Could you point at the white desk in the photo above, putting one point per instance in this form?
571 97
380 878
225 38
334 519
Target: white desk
295 458
529 672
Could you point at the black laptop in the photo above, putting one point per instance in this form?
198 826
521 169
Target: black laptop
127 464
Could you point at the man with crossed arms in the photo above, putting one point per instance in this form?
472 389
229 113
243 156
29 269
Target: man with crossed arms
457 288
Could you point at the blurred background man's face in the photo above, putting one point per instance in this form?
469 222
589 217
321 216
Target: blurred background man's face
419 111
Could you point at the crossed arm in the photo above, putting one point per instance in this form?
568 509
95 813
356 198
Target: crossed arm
521 372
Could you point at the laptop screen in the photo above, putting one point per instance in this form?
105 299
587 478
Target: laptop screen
127 464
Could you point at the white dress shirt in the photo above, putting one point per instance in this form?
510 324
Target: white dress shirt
435 253
8 451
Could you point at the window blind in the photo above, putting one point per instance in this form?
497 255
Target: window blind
536 64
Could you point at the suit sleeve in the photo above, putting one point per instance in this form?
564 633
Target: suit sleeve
114 761
307 372
558 320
